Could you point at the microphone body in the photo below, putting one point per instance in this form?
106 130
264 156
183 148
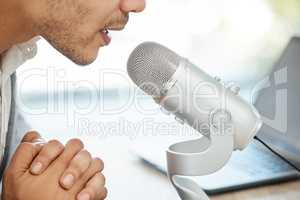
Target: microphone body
202 101
225 121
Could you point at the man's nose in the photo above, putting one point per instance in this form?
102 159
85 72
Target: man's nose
133 5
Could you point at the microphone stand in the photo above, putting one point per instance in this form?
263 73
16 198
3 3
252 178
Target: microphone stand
196 158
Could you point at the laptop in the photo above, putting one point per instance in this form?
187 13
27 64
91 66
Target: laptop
278 101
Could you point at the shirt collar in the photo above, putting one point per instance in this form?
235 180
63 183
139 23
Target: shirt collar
18 55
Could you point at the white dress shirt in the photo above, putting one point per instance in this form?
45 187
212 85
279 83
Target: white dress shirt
11 60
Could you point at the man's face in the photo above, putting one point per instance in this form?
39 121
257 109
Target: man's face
77 28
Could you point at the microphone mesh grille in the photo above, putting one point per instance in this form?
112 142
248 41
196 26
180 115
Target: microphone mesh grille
151 66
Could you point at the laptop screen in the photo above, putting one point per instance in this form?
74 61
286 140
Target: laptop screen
278 102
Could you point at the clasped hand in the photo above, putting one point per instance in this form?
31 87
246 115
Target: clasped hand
50 170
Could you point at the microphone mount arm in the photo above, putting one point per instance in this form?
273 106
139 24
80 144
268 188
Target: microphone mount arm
189 159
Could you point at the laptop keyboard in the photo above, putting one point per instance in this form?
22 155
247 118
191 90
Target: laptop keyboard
257 160
254 166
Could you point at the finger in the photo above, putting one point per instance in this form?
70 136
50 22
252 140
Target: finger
34 137
24 156
48 154
31 136
79 164
72 147
95 167
94 189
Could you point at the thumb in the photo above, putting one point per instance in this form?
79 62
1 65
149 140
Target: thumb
23 157
28 149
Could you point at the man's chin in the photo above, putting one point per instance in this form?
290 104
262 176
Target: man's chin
84 59
83 62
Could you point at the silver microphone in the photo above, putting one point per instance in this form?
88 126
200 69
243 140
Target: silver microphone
206 104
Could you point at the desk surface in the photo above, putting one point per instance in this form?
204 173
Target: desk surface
129 178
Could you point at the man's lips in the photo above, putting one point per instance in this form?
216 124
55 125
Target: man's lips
106 36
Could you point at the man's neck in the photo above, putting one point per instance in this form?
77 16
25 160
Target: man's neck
14 25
